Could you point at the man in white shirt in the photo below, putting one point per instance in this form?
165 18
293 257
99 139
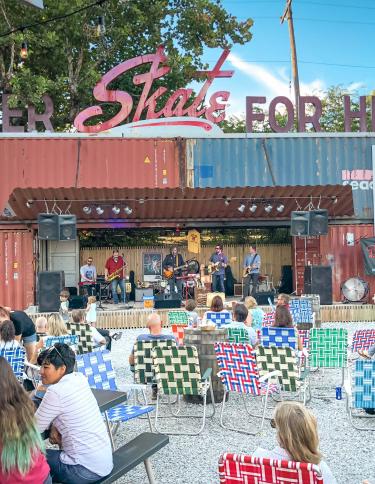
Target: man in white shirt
88 276
240 313
70 410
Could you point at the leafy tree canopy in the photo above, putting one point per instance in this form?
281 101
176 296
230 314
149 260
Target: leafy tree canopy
67 58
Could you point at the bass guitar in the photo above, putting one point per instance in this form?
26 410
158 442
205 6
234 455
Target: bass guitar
169 271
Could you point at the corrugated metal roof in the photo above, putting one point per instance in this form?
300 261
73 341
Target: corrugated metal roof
286 160
183 204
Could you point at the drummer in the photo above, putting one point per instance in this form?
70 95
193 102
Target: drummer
170 263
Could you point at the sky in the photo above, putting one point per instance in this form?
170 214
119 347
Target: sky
334 40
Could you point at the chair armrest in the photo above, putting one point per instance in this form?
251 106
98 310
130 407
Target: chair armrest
270 375
32 366
207 374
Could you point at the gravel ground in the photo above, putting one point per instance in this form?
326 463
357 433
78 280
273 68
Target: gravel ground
193 459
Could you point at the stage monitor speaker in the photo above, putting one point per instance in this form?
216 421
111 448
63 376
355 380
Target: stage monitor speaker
48 226
77 302
318 280
262 297
68 227
166 302
49 286
300 224
318 222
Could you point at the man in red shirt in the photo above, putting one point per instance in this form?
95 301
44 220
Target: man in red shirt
114 272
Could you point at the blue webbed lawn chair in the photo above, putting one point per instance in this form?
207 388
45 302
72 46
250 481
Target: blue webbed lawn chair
280 337
16 358
219 319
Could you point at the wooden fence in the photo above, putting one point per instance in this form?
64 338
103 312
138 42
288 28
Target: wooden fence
273 257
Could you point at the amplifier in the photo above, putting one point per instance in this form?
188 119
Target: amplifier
161 303
262 297
139 293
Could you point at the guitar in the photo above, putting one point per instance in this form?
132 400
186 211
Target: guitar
215 266
248 269
116 274
169 271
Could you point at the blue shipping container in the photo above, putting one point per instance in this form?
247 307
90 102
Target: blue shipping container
274 160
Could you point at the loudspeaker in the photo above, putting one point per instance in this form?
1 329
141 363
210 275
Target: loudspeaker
286 280
72 290
318 222
49 286
300 223
262 297
318 280
48 226
68 228
77 302
166 302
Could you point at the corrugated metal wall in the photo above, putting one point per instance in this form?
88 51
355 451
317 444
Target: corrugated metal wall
16 269
311 160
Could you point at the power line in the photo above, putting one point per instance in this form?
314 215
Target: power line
305 19
22 28
305 3
270 61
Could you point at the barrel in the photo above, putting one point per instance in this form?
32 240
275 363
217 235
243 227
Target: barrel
204 342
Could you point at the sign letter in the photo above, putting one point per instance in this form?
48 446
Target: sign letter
272 114
253 115
350 115
307 118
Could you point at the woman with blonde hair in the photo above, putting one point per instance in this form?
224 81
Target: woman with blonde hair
55 327
297 435
255 315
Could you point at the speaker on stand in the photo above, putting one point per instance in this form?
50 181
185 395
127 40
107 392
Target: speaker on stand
67 227
49 286
48 226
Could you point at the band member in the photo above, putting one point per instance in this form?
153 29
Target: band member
251 272
88 276
114 273
219 262
171 261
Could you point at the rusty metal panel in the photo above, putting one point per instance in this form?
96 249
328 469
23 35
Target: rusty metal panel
67 162
346 261
286 160
16 269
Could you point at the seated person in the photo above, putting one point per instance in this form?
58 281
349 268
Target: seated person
41 326
55 327
155 327
192 315
368 354
297 436
79 317
217 306
24 328
283 319
283 300
8 335
22 449
256 314
70 410
240 314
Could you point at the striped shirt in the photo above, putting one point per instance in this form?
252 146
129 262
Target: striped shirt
71 406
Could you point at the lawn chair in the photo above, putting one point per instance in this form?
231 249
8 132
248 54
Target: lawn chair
239 374
97 367
178 332
238 335
71 340
16 358
328 349
280 337
360 391
83 331
269 319
219 319
362 340
178 317
301 311
245 469
284 361
304 335
178 373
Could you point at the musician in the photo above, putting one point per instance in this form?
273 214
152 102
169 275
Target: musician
171 261
219 262
251 272
114 272
88 276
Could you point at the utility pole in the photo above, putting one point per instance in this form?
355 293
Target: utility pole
289 16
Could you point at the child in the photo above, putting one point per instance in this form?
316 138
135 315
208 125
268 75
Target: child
41 326
91 310
64 305
192 315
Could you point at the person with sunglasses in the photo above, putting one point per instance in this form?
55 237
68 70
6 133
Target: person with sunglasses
69 410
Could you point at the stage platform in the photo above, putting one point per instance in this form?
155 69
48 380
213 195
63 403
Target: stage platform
133 315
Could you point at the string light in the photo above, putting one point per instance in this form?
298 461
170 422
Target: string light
100 28
24 53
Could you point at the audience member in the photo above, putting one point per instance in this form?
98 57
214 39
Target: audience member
256 314
7 335
55 327
297 436
24 328
240 314
282 300
368 354
217 306
64 304
70 411
192 315
22 449
283 318
41 326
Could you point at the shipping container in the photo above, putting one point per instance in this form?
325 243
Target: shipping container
17 277
90 162
306 159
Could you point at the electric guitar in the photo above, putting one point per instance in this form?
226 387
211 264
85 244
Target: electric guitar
248 269
215 266
169 271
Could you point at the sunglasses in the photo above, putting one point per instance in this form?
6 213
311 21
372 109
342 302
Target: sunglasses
273 423
49 351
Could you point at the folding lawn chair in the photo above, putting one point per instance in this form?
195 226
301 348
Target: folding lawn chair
245 469
83 331
281 337
363 339
238 335
360 392
178 332
16 358
219 319
301 311
268 318
178 373
71 340
178 317
97 367
239 374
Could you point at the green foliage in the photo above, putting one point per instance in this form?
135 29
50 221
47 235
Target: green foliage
66 58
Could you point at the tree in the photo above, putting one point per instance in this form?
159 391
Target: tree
67 58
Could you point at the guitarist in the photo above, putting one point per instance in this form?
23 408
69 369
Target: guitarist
172 260
251 272
219 262
114 272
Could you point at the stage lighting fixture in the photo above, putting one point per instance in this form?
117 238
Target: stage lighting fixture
280 208
268 208
29 203
116 210
253 208
241 208
86 210
99 210
128 210
227 201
